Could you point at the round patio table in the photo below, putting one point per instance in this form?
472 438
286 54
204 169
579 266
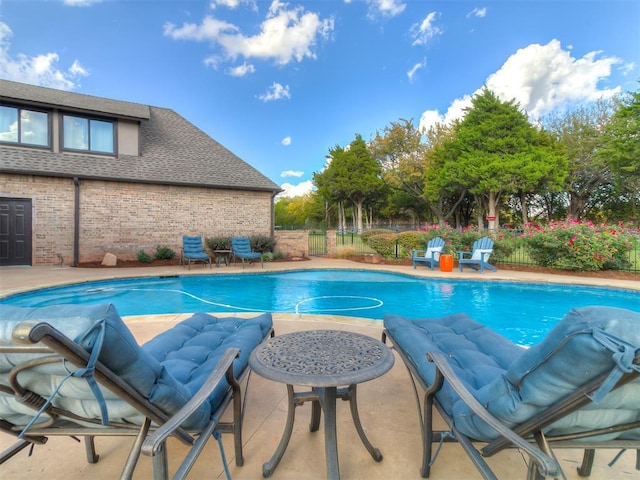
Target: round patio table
323 360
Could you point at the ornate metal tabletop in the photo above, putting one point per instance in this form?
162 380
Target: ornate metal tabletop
321 358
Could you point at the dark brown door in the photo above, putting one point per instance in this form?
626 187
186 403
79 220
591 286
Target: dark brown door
15 231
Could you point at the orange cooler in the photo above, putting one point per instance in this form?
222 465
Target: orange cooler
446 263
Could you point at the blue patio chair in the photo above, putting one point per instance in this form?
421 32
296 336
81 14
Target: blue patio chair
72 370
430 256
578 388
479 255
193 251
241 247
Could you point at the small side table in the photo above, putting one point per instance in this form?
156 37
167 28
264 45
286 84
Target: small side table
224 255
323 360
446 262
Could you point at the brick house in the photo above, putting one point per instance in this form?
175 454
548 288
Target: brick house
81 176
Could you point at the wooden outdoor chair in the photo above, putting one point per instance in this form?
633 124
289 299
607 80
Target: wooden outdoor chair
430 256
478 258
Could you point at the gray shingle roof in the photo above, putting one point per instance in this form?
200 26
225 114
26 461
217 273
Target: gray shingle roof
21 92
173 151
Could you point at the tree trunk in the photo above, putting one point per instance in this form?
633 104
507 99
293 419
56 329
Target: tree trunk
357 216
525 208
492 211
342 221
577 204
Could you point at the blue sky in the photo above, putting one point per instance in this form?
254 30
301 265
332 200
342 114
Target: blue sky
280 83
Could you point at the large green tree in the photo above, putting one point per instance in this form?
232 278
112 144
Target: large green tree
497 151
304 210
443 186
580 131
621 150
354 175
400 151
329 186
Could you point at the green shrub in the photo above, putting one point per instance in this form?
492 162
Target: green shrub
278 256
267 257
262 243
259 243
164 253
364 236
412 240
579 246
454 240
383 243
505 245
218 243
143 257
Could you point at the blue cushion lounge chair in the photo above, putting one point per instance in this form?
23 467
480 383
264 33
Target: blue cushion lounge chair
578 388
431 255
242 249
479 255
72 370
193 251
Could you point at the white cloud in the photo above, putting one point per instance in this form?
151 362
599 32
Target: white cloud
39 70
80 3
425 31
385 8
300 189
627 68
287 34
233 4
478 12
292 173
78 70
541 79
275 92
415 68
241 70
286 141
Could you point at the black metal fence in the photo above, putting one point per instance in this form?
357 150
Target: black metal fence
350 243
317 243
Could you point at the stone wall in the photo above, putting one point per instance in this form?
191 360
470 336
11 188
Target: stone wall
292 243
123 218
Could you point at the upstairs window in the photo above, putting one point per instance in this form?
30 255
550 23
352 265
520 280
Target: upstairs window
87 134
22 126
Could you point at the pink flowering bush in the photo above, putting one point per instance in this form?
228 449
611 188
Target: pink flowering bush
579 246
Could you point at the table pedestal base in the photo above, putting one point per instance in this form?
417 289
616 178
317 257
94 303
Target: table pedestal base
323 399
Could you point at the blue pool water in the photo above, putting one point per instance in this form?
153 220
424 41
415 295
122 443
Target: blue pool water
523 312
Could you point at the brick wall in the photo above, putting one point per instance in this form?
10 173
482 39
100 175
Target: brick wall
123 218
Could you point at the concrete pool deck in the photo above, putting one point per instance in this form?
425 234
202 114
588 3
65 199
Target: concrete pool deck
387 404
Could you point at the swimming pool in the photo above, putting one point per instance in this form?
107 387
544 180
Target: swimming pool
523 312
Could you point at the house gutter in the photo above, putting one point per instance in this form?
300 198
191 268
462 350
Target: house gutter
76 221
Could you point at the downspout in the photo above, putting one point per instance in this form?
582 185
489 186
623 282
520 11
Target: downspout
76 222
273 214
